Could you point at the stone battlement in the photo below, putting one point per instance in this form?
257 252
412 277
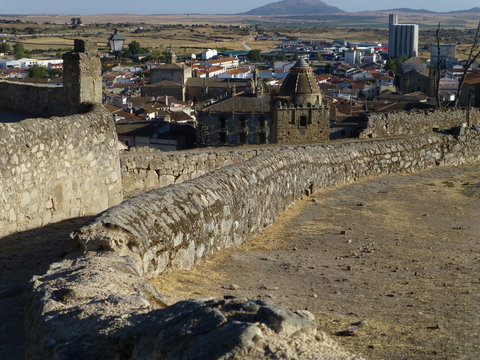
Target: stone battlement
57 168
416 122
82 85
91 303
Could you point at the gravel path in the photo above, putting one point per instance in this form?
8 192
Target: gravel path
390 266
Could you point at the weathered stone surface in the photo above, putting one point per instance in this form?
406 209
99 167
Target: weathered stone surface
81 302
99 304
145 169
82 86
226 206
416 122
198 329
231 329
57 168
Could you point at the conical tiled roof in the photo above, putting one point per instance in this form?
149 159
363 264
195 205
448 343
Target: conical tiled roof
300 84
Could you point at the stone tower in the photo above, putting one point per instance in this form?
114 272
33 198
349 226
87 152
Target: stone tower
82 80
171 58
299 114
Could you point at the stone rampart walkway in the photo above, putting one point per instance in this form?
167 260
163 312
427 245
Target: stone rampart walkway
391 265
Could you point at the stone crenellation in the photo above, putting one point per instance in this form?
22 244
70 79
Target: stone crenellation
82 85
92 302
416 122
57 168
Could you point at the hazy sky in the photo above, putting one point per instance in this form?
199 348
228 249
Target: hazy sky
85 7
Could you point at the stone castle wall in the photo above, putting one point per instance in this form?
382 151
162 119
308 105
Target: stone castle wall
87 304
57 168
416 122
41 100
145 169
82 85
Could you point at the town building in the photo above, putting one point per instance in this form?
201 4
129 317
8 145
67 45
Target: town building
470 94
26 63
352 57
448 55
297 115
210 53
402 38
414 63
415 81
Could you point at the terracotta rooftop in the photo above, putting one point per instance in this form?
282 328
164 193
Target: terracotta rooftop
222 60
473 79
238 71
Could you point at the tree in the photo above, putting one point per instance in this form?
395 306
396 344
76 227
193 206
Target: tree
134 47
55 74
472 57
75 22
254 55
390 65
37 72
4 47
399 61
19 50
280 56
157 55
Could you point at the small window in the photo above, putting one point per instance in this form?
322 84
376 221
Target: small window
126 142
243 138
243 122
223 122
222 137
262 138
293 120
261 122
303 121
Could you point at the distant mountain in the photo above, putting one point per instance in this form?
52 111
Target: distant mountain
472 10
422 11
289 7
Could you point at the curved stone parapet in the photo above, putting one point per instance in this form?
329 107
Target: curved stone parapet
414 122
98 303
176 226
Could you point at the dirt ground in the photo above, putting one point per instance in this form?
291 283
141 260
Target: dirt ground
389 266
394 262
23 255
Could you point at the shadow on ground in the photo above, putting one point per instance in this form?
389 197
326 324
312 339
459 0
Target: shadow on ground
23 255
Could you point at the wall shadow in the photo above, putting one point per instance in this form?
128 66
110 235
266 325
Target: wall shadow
23 255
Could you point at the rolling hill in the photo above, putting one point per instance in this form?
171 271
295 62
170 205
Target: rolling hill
289 7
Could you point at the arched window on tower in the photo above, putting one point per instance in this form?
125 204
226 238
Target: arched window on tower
303 121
